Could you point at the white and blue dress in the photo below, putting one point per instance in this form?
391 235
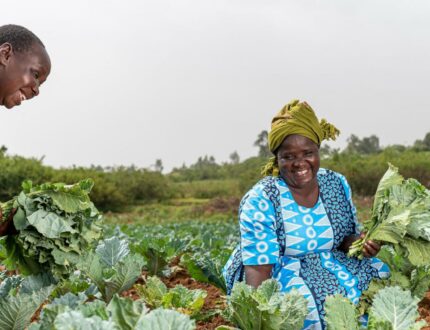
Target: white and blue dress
311 263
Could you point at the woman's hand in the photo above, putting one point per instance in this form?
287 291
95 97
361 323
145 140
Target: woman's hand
7 227
370 248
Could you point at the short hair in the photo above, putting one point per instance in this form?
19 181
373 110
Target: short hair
19 37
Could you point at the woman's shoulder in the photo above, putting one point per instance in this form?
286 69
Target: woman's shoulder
335 175
326 172
261 188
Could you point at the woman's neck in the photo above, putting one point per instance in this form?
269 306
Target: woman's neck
306 196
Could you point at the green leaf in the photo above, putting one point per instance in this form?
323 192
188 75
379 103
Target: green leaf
127 272
16 312
164 319
152 292
396 306
72 198
112 250
266 308
341 314
187 301
125 312
49 224
75 320
418 251
37 282
19 220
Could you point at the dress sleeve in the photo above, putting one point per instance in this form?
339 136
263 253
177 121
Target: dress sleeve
348 193
259 242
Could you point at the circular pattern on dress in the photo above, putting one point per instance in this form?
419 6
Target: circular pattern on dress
259 216
263 205
308 220
304 209
261 247
342 275
350 283
310 232
352 293
312 244
260 235
262 259
328 264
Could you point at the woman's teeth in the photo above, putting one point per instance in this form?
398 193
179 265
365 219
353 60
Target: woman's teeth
301 173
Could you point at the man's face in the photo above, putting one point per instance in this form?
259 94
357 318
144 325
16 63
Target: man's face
22 73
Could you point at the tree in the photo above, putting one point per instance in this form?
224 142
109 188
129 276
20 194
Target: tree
234 158
368 145
326 151
158 166
262 144
423 145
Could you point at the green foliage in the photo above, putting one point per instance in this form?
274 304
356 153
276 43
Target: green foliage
400 216
395 308
116 188
162 319
158 250
265 308
155 294
340 313
17 308
207 267
112 268
56 224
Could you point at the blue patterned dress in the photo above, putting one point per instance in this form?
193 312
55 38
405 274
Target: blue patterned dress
312 264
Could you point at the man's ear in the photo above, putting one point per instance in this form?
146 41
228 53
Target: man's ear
6 52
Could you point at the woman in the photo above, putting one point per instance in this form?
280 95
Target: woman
24 66
318 219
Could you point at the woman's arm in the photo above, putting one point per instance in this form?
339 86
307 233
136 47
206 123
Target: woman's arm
255 275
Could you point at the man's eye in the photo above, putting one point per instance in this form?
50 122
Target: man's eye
36 75
309 153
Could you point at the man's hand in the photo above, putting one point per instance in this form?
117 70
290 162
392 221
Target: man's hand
7 227
370 248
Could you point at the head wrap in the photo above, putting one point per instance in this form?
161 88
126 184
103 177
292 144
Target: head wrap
296 118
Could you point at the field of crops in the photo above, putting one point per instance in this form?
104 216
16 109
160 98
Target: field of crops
140 274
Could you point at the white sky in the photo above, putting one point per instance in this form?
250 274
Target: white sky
137 80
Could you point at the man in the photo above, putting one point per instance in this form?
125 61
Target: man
24 67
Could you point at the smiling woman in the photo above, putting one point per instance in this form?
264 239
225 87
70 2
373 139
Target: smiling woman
298 222
24 65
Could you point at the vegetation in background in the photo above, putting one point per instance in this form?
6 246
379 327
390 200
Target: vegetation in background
363 162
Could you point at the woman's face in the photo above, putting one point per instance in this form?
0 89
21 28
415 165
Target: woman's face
22 74
298 161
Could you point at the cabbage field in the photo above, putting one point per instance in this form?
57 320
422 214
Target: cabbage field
85 273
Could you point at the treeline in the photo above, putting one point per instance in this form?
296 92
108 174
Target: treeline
114 188
363 162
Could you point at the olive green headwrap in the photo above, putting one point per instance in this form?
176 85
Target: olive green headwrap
296 118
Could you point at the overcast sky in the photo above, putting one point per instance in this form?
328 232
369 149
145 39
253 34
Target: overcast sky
133 81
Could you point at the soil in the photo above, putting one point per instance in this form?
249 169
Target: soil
424 310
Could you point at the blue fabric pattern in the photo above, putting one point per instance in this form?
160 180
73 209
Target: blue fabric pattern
305 257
